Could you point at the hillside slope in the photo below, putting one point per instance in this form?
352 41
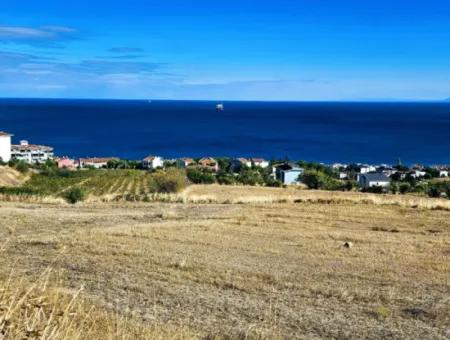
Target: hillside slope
10 177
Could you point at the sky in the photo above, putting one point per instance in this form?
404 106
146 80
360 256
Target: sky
226 49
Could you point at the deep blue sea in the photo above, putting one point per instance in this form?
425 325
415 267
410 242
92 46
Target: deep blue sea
326 132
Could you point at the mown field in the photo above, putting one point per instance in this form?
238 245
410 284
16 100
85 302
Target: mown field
227 263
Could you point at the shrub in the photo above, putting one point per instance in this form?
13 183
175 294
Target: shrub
200 176
226 178
434 191
316 179
170 181
249 177
375 190
404 188
22 167
75 195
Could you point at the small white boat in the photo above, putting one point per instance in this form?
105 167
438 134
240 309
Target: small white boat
220 107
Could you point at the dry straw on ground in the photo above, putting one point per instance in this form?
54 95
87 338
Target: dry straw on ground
264 267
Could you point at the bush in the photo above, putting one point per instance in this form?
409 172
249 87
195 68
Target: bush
170 181
22 167
316 179
200 176
75 195
404 188
434 191
226 178
249 177
375 189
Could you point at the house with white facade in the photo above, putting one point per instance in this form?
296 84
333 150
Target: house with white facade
418 174
364 169
5 146
184 162
237 163
288 174
152 162
261 162
443 173
376 179
31 153
95 162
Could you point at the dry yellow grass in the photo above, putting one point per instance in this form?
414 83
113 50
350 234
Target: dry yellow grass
10 177
258 269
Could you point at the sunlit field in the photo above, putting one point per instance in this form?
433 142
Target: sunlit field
226 262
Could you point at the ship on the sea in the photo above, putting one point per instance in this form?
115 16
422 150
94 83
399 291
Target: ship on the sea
220 107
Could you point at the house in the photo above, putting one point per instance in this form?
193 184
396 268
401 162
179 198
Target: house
343 175
95 162
374 179
338 166
5 146
209 163
418 174
66 163
261 162
184 162
31 153
152 162
288 173
237 163
443 173
388 171
364 169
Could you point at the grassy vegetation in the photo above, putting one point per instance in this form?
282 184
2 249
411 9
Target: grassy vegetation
112 184
241 262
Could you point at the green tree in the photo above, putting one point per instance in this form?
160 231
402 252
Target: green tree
316 179
249 176
405 187
200 176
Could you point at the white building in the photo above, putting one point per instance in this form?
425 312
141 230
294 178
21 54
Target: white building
373 180
367 168
343 175
184 162
5 146
288 174
152 162
418 174
95 162
31 153
443 173
260 162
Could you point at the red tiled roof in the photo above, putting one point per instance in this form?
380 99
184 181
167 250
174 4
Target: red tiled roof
243 160
98 159
258 160
5 134
207 161
31 147
149 158
187 160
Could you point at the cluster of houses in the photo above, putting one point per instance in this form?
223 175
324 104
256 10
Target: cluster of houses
287 173
369 176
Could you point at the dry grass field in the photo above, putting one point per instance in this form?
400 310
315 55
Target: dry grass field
227 263
10 177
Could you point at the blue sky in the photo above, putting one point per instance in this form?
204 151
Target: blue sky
226 49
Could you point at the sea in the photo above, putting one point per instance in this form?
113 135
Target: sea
328 132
